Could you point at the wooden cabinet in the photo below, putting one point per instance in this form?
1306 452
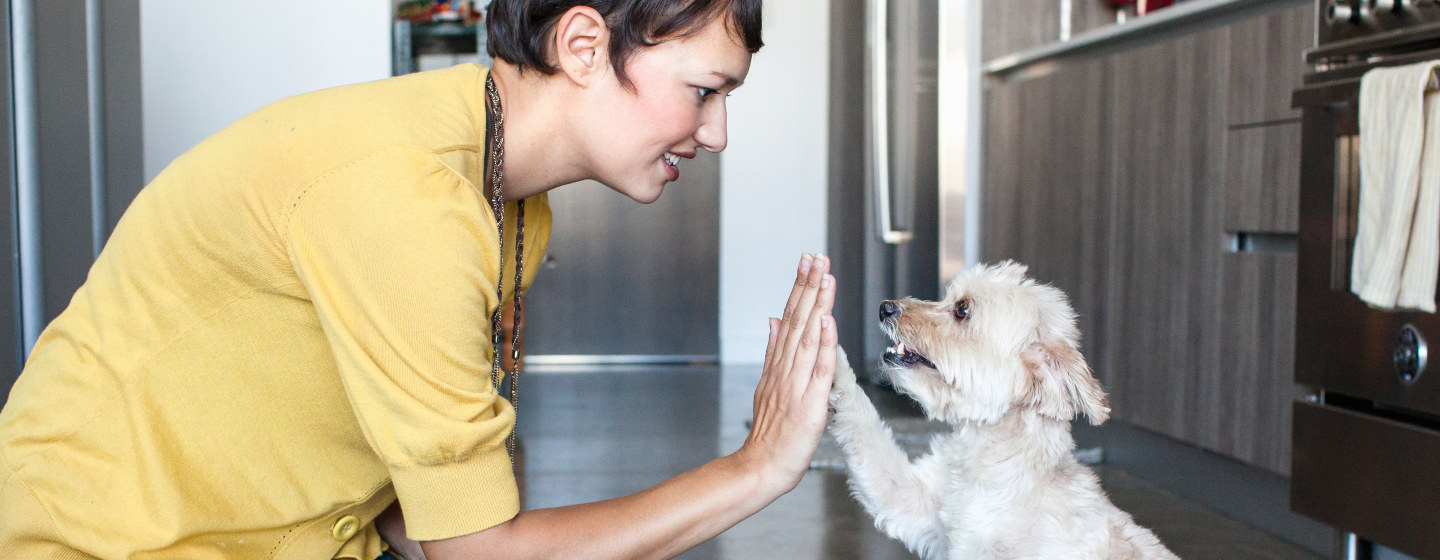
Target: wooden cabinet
1262 179
1257 316
1168 105
1266 64
1119 178
1261 199
1257 358
1049 174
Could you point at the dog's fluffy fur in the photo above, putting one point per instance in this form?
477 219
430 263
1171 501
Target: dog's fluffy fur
998 360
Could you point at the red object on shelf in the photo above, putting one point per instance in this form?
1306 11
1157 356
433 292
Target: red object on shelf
427 11
1142 6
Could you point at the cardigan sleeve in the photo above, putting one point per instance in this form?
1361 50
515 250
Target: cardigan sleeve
399 256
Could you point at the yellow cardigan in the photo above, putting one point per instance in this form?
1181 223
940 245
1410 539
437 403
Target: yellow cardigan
288 329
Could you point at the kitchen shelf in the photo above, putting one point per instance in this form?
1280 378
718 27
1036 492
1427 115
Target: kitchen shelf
443 37
1173 20
442 29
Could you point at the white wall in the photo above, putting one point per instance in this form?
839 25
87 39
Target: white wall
773 174
206 64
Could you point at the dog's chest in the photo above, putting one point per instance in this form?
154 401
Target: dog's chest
990 524
990 513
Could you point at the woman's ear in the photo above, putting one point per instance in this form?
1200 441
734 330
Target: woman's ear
582 40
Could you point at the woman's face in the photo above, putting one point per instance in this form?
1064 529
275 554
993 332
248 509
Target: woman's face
641 137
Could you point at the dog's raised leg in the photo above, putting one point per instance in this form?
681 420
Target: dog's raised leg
904 498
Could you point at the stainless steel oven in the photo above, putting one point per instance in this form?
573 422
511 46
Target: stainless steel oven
1366 440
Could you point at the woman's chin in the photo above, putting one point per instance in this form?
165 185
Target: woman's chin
650 196
644 195
644 192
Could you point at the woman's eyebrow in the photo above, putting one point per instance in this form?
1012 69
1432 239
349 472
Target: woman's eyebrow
729 80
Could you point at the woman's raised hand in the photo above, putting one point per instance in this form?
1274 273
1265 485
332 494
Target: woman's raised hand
791 405
792 398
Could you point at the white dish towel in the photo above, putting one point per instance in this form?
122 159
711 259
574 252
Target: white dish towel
1396 258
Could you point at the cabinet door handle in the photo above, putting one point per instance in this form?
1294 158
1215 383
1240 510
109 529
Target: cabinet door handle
1261 242
877 64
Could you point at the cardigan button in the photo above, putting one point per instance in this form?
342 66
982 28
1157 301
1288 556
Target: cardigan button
345 528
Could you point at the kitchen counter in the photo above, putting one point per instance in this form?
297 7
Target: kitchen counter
1159 25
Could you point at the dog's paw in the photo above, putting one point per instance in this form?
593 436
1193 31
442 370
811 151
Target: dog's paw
844 390
844 376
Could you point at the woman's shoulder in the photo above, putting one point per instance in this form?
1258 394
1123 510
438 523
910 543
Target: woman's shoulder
434 111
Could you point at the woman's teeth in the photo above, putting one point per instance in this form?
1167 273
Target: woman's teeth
672 159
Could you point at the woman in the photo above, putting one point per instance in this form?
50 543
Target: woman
290 329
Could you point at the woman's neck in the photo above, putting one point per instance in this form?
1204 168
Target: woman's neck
540 149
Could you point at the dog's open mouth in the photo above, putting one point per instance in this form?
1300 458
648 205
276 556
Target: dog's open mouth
901 355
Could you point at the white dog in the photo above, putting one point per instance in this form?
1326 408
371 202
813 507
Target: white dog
998 359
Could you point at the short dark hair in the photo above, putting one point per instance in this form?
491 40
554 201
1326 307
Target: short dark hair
520 30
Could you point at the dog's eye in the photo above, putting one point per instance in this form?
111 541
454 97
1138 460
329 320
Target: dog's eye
961 311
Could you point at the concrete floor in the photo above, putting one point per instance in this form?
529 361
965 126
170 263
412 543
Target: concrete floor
593 433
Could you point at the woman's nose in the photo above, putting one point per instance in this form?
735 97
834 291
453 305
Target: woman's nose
712 134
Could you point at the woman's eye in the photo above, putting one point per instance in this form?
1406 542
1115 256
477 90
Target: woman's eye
961 311
705 92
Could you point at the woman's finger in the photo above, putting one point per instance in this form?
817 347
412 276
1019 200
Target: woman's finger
807 351
802 276
825 300
767 373
824 373
774 334
803 312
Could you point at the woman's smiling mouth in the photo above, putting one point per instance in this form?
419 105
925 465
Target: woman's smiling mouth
671 163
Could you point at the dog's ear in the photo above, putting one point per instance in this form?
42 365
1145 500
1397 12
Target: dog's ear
1061 384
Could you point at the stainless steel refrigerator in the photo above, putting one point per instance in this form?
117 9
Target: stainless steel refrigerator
884 226
71 86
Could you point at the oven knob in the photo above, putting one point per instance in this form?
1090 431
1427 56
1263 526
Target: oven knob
1364 9
1410 355
1382 6
1339 11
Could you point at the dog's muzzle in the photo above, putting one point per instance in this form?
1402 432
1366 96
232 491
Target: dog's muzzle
899 354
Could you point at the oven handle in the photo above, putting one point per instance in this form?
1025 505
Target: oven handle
1340 92
1342 85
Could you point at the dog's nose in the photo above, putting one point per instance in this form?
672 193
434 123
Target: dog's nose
888 309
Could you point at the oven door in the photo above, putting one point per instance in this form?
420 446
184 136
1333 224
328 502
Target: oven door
1342 345
1366 444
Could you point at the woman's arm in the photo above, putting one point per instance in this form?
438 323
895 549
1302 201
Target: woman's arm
791 403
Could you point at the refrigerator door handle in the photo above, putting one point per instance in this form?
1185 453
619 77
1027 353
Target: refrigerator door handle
877 64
